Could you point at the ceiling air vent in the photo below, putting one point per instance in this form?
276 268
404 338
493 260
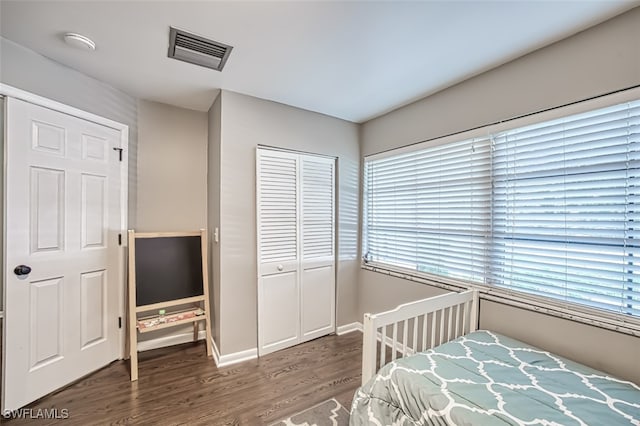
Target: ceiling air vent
197 50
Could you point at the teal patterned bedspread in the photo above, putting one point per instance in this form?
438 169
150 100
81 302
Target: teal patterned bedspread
484 378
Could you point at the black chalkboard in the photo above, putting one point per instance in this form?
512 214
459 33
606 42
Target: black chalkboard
168 268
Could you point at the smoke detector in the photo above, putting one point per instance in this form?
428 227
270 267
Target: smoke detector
197 50
79 41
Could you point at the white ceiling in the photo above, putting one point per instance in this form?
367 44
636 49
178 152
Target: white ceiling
352 59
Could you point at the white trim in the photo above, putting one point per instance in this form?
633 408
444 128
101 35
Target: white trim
124 221
173 339
216 352
237 357
348 328
233 358
13 92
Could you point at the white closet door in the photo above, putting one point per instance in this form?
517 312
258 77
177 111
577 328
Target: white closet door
296 248
317 272
278 250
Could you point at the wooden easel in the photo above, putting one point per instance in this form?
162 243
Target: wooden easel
194 314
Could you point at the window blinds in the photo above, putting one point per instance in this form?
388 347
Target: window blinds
565 209
429 210
548 209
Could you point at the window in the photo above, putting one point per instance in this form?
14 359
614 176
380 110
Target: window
429 210
551 209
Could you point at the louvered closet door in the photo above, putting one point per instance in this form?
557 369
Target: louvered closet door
296 257
278 251
317 272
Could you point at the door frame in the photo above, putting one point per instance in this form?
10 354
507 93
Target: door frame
12 92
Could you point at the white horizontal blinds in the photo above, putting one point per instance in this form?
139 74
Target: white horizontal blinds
317 207
428 210
278 206
566 198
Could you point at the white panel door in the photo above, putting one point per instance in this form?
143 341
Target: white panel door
296 258
317 271
278 250
63 219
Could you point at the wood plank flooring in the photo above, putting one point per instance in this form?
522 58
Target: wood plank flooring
180 385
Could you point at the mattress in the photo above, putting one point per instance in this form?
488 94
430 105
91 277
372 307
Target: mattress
485 378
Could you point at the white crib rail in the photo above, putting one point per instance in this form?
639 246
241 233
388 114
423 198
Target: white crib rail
423 324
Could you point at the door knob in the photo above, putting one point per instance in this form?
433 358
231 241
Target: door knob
280 267
22 270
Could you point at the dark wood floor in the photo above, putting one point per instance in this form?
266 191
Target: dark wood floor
180 385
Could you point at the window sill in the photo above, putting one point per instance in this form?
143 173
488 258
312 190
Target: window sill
569 311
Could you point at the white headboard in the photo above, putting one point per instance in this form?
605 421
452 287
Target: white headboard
415 327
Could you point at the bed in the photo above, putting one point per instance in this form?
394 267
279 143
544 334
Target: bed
445 372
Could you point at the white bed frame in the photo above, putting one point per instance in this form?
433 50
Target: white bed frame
416 327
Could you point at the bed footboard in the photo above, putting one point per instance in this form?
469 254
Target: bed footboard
415 327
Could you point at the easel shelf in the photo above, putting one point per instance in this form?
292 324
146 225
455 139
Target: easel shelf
154 322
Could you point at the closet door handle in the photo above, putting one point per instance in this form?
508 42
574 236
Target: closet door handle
280 268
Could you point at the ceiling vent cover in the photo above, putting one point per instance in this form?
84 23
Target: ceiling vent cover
197 50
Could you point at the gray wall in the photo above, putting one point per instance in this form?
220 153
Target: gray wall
247 122
599 60
213 211
396 291
172 168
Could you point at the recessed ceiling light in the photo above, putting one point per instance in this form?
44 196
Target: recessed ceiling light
79 41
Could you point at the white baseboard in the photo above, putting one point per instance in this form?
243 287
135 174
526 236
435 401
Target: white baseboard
174 339
233 358
348 328
216 352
